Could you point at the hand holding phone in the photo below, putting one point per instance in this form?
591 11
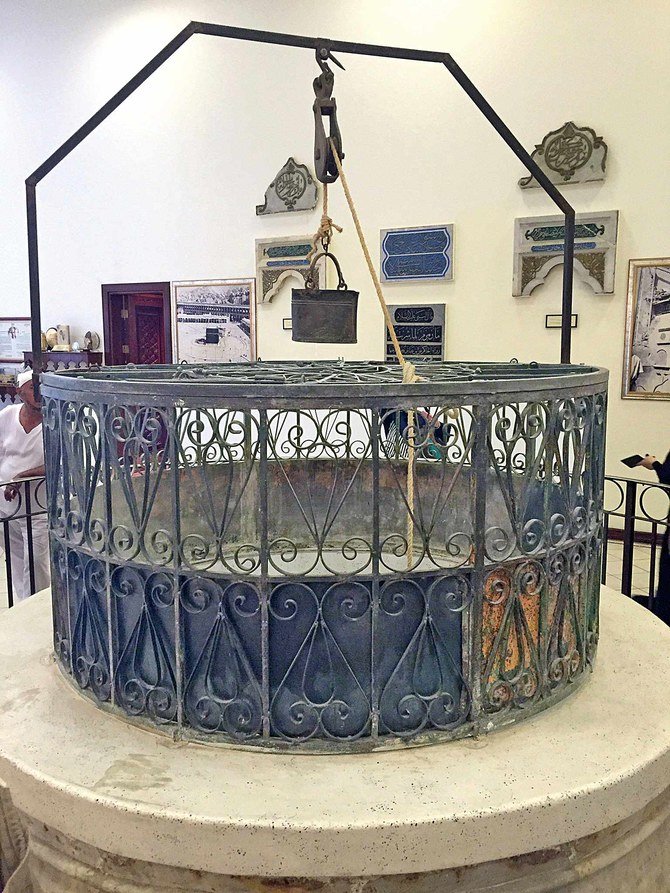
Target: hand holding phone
632 461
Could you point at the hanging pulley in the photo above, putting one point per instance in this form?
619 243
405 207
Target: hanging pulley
324 315
325 106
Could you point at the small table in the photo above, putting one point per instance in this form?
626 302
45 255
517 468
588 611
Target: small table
66 359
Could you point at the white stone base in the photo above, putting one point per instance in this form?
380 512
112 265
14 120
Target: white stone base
633 855
576 799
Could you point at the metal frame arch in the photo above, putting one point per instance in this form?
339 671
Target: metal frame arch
277 38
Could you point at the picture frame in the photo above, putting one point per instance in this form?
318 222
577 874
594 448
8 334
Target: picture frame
646 362
63 337
9 369
214 321
15 338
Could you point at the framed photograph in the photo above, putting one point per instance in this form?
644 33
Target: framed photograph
9 370
214 321
63 336
15 337
646 364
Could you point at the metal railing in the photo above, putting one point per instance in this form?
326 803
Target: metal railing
643 508
21 502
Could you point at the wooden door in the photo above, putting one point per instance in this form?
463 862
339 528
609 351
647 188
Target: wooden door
136 321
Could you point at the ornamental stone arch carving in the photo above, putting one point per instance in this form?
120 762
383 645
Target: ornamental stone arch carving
539 244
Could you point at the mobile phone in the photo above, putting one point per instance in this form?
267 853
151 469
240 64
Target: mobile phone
632 461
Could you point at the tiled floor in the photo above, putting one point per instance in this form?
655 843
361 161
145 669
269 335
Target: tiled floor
641 565
641 559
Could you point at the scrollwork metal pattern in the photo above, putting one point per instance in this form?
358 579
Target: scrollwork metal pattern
321 675
426 686
222 657
328 572
436 442
144 644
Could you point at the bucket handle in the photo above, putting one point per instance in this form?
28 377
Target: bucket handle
310 281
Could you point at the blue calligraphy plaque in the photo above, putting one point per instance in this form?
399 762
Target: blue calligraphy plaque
418 253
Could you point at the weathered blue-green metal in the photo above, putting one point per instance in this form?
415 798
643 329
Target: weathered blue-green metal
318 556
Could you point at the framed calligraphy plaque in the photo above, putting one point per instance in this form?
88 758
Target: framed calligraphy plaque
420 329
280 259
416 253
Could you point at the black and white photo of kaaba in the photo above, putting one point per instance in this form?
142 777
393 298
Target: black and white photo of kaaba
214 321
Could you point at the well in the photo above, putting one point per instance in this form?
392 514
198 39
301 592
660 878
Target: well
317 555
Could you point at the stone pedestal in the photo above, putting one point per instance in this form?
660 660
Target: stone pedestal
576 799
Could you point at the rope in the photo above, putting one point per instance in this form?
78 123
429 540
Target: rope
409 375
324 233
368 259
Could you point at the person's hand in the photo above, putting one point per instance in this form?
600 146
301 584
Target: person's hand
11 492
648 462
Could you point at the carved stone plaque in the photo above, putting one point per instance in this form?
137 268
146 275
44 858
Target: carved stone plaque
293 189
280 259
570 154
538 248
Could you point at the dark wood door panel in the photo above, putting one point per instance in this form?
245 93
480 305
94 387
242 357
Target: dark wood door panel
136 323
148 334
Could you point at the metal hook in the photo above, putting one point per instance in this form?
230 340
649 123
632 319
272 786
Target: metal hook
323 53
325 106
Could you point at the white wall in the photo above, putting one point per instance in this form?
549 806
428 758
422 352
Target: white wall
166 188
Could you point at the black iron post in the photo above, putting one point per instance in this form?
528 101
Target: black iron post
568 263
34 280
29 537
652 565
628 537
8 564
554 194
603 560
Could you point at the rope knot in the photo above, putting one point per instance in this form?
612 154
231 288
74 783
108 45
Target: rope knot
409 375
324 233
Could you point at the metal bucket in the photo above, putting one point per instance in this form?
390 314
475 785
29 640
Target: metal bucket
324 315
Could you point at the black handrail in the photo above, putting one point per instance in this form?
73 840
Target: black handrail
629 505
22 510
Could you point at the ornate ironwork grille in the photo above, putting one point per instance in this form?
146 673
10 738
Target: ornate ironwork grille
318 555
